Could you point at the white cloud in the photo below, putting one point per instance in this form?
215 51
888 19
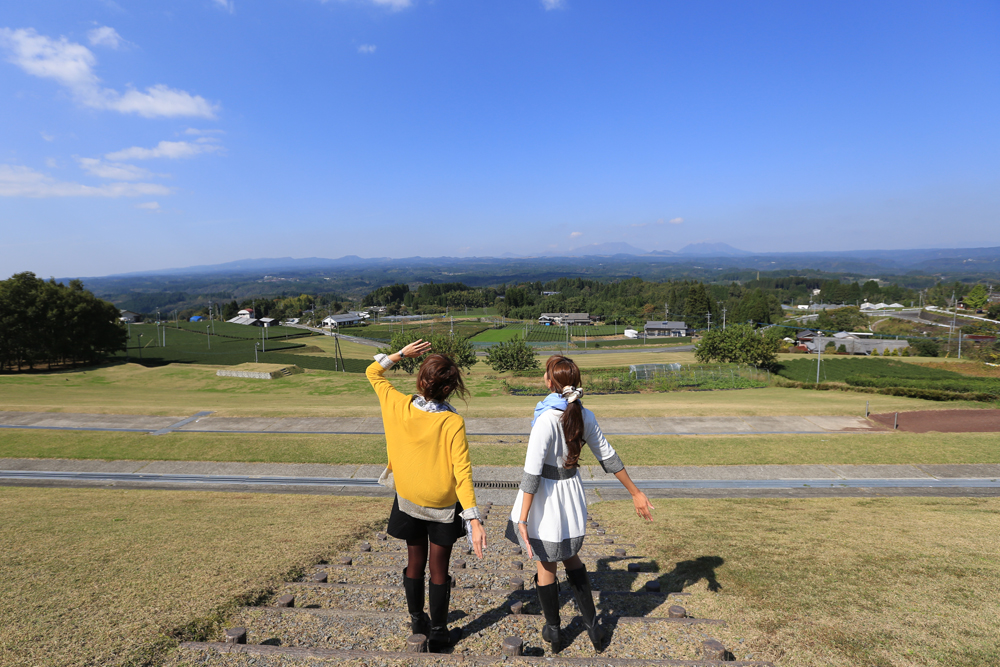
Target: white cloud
171 150
576 235
51 163
393 4
105 36
72 65
47 136
201 133
112 170
676 221
16 181
161 100
367 48
228 5
149 206
553 4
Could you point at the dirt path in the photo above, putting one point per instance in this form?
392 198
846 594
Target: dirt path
943 421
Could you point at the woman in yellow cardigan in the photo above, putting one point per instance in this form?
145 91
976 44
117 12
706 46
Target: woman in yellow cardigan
430 466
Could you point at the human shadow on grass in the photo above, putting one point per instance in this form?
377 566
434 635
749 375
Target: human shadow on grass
612 605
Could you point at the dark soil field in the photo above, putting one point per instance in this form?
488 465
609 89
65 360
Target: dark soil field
943 421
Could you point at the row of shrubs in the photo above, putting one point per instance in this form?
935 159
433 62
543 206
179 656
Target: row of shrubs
628 384
965 385
910 392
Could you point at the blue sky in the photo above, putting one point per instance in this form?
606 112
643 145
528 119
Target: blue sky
154 134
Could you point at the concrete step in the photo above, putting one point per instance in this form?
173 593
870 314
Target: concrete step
216 654
478 601
483 634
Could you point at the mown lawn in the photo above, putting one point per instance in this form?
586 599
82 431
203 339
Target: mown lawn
183 389
852 448
100 577
884 582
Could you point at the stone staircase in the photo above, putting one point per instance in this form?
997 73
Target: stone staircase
354 611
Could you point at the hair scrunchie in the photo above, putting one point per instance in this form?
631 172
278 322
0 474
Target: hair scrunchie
571 393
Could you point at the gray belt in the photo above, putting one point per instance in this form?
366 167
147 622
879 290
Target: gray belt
552 472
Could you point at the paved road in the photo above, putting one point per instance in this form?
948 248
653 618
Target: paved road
656 481
204 422
353 339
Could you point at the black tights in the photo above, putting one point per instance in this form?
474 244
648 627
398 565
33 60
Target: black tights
416 551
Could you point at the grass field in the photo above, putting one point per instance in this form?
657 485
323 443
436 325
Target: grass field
883 582
103 577
882 447
183 389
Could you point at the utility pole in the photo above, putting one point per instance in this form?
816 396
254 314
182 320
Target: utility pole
954 318
819 357
208 334
723 318
709 316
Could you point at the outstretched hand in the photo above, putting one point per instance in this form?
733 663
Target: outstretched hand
415 349
642 505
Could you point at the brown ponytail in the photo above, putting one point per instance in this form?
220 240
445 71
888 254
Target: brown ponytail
563 372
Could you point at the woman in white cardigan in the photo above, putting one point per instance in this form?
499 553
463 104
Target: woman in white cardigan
549 517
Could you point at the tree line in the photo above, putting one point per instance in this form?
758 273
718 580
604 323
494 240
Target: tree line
45 323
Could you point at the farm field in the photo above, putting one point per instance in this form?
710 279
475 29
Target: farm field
857 448
428 327
839 369
227 329
885 373
198 347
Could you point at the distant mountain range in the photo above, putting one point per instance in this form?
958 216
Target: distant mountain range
613 248
722 255
354 276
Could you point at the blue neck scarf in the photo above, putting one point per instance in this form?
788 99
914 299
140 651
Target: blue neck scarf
551 402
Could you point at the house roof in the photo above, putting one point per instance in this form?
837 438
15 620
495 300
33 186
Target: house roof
349 317
664 324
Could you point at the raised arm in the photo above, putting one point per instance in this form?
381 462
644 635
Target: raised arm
383 362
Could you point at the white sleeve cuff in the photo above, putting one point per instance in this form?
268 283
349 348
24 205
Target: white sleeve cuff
384 361
470 514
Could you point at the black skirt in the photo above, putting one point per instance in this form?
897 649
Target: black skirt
402 526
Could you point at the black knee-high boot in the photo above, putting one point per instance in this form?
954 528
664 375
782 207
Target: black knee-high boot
548 597
419 623
439 599
580 583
